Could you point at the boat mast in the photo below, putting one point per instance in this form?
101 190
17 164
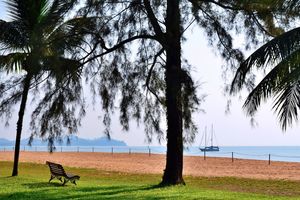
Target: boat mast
205 136
212 135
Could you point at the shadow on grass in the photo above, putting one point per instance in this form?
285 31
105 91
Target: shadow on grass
6 177
106 193
38 185
47 191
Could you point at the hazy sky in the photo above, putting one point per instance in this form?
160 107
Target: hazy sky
232 129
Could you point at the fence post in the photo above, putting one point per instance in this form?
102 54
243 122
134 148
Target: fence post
231 156
204 152
93 150
60 149
149 151
129 151
77 149
269 159
112 150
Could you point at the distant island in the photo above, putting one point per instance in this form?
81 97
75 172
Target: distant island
74 141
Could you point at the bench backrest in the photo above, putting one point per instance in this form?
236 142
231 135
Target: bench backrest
56 169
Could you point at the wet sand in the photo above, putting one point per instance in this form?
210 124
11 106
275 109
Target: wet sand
154 164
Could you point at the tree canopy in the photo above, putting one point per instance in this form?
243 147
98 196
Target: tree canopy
279 57
39 44
123 23
138 46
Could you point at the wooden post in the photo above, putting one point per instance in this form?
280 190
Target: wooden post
269 159
112 150
149 152
129 151
77 149
204 152
231 156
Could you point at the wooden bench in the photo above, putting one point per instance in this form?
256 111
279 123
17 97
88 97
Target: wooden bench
57 171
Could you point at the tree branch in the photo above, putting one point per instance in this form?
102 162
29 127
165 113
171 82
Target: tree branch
150 73
235 7
154 21
260 26
119 45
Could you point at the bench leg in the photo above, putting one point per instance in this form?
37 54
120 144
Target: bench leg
74 182
51 178
65 181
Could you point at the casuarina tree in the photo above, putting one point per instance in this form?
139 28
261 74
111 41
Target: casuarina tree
137 59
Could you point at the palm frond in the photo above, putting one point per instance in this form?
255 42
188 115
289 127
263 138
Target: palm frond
271 53
281 81
14 10
12 62
29 11
71 33
12 35
287 104
57 11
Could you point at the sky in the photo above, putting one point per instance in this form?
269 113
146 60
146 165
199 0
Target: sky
232 129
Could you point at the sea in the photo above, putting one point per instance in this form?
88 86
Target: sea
274 153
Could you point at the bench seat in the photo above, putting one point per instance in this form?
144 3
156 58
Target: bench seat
57 171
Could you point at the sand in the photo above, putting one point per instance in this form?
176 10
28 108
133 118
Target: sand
154 164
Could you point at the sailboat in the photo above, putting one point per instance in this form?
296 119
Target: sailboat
211 147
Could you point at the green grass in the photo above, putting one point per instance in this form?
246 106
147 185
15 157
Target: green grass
32 183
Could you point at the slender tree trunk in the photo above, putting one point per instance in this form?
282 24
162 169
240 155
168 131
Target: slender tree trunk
26 87
174 163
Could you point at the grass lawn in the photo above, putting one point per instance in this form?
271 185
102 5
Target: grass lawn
32 183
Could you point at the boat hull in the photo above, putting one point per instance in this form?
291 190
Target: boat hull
211 148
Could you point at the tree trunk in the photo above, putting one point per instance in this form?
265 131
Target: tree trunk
174 163
26 87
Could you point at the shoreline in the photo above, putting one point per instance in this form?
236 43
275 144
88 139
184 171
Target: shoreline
142 163
273 153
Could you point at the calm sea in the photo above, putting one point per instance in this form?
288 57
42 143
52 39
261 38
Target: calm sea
277 153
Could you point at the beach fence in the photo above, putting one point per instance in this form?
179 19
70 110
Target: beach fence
103 149
238 155
149 150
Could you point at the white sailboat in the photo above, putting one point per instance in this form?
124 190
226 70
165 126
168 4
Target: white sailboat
211 147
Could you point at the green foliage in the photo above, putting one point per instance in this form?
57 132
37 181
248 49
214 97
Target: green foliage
280 58
123 56
120 47
42 45
130 46
33 184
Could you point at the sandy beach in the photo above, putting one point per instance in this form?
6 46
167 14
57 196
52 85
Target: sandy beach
154 164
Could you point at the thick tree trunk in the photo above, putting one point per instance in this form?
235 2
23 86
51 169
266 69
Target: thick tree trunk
26 87
174 163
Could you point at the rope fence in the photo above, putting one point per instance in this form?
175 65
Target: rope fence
152 150
238 155
103 149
